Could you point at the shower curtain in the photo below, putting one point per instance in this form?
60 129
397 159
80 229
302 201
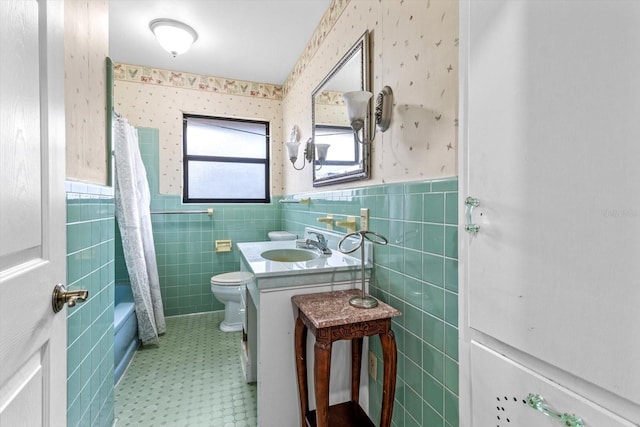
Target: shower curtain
134 220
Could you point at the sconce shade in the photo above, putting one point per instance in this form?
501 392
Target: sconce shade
174 36
322 150
357 103
292 150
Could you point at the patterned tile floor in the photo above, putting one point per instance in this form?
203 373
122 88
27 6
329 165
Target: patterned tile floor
193 378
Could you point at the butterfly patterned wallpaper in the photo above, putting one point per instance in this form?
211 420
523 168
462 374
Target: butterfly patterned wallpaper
86 44
415 52
156 98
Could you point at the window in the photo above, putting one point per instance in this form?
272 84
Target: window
225 160
344 151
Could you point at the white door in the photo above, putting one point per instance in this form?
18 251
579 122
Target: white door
550 146
32 214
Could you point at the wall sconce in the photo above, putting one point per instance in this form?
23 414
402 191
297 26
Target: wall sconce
321 149
357 103
293 147
174 36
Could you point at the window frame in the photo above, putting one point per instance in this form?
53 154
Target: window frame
186 158
356 149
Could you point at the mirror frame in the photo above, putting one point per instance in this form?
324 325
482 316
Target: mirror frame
362 45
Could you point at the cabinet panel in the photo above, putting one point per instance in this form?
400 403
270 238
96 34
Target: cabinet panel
500 391
552 151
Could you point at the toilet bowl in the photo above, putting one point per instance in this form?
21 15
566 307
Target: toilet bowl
227 288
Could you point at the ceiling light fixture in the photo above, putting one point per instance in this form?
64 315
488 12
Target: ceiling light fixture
174 36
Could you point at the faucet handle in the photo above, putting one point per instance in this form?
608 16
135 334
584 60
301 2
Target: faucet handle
320 236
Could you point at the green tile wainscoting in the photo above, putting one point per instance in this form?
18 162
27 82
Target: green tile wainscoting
90 265
416 273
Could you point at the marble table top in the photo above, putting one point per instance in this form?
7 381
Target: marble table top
326 309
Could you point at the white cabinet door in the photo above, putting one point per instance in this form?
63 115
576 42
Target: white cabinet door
550 146
506 400
33 362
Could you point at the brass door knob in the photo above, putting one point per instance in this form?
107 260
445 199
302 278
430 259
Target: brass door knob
61 296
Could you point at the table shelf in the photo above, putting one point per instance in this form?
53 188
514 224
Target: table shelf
330 318
347 414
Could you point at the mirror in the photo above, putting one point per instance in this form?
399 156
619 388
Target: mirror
346 160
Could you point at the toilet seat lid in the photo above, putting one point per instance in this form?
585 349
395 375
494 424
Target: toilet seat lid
233 278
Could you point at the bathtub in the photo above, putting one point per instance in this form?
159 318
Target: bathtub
125 326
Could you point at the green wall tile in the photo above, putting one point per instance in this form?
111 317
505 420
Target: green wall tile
433 208
433 238
451 241
396 206
451 208
433 331
451 375
451 308
413 348
90 265
448 184
433 361
413 291
433 269
413 204
414 402
413 319
413 263
451 408
451 274
430 417
433 393
451 341
433 300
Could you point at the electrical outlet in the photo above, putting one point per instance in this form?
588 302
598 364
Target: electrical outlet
373 366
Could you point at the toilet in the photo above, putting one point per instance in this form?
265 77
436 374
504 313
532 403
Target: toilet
227 288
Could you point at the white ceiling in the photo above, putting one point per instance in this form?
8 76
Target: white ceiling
254 40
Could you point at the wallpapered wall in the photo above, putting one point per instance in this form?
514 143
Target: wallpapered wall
414 51
86 45
330 108
157 98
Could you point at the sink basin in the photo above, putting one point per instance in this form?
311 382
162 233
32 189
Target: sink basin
289 255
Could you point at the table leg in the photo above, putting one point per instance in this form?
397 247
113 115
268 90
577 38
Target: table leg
356 367
301 368
322 371
389 354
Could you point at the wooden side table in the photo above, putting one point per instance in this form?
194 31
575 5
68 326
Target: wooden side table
330 318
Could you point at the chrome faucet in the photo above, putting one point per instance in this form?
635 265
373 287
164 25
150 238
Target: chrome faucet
320 244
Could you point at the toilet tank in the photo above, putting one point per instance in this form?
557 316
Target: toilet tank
281 235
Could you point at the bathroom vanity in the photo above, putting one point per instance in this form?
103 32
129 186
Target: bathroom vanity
268 351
